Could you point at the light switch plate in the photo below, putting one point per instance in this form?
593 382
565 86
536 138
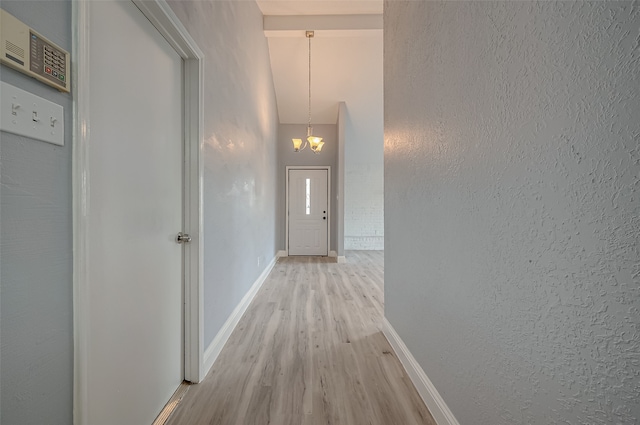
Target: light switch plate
26 114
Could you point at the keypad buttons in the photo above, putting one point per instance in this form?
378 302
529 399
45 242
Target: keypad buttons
48 61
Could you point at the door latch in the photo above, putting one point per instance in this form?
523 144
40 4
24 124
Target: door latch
183 238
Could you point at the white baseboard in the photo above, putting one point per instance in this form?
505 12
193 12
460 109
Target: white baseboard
432 399
331 254
365 243
342 259
213 351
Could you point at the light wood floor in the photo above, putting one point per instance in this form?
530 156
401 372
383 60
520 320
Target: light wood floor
308 351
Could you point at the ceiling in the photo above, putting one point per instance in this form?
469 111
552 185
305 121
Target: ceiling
346 56
323 7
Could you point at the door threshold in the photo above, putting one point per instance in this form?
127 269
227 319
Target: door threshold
174 401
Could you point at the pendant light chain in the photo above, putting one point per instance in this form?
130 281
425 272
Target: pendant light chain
315 142
309 37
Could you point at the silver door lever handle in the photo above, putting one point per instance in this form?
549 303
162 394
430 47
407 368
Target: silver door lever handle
183 238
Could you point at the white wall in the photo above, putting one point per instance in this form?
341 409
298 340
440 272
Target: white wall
340 135
36 320
512 170
241 125
364 206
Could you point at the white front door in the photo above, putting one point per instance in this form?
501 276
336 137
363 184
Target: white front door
308 212
134 304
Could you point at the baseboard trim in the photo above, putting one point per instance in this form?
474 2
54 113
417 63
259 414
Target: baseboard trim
364 243
342 259
333 254
213 350
282 253
432 399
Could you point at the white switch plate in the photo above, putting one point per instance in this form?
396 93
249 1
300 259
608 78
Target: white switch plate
26 114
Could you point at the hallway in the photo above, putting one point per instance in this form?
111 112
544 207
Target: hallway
309 350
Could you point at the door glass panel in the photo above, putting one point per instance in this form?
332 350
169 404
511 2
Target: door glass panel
308 197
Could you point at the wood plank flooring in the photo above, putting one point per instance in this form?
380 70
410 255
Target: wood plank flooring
309 351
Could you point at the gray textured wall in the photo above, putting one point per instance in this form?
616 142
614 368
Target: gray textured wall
512 170
36 315
287 156
241 125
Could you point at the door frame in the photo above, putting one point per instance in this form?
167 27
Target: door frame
286 194
159 13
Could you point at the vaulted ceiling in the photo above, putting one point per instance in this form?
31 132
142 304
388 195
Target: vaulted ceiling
346 56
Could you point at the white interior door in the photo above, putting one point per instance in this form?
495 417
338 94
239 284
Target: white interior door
308 212
135 330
